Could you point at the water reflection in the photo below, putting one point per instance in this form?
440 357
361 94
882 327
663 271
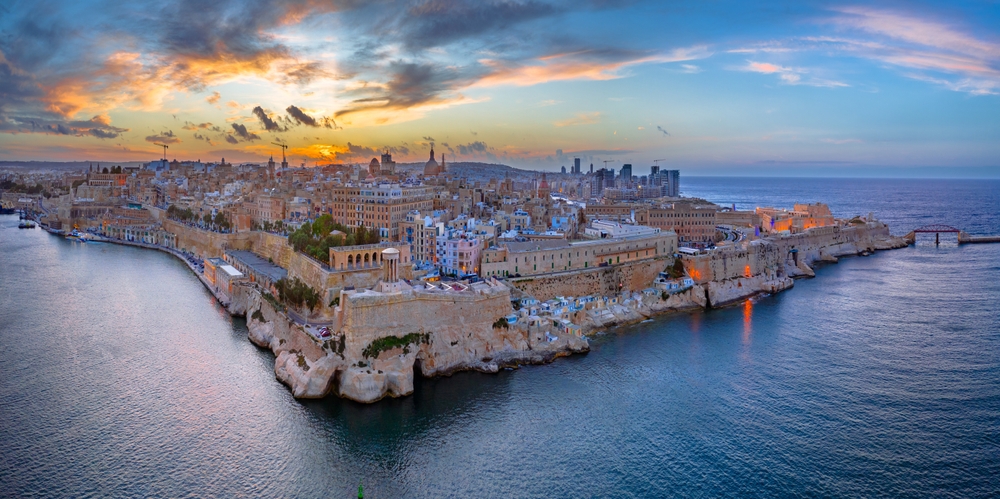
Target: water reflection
747 321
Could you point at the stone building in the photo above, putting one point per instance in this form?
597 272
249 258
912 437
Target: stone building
511 258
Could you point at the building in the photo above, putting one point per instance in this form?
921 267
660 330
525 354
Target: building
802 217
672 180
694 223
626 175
601 229
432 168
512 258
421 232
379 206
458 254
576 166
265 208
388 165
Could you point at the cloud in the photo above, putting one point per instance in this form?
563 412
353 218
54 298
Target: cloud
790 76
204 137
842 141
580 119
433 24
429 139
199 126
214 98
410 85
604 64
99 126
167 137
241 131
231 139
266 121
472 148
690 69
664 132
301 117
922 44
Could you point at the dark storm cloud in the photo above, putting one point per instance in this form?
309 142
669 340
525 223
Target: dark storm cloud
410 84
266 121
241 131
102 134
98 126
301 117
231 139
167 137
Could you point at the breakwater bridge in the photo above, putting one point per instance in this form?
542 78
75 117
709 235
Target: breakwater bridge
937 230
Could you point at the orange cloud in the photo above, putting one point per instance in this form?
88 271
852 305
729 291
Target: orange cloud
575 66
580 119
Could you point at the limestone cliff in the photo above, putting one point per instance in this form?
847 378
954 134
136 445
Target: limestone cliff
439 335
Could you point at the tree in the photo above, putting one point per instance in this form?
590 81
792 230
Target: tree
207 219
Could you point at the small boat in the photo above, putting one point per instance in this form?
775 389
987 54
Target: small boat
75 235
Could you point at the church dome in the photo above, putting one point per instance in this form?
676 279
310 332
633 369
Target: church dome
374 167
431 167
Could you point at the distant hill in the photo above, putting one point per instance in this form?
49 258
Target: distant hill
62 165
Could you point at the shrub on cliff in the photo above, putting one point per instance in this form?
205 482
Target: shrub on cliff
257 316
297 293
389 342
677 270
501 323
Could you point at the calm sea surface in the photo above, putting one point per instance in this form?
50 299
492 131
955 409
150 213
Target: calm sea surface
120 377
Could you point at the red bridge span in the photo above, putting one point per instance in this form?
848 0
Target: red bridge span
938 229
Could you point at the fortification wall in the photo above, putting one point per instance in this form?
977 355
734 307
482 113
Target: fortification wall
597 281
274 247
206 243
758 258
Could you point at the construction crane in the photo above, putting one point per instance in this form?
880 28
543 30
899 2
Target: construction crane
164 146
606 163
283 148
657 161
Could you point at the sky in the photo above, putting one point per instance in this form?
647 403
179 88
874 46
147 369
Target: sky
695 85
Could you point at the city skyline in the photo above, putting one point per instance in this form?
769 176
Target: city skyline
528 84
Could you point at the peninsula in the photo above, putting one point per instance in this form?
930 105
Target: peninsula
359 277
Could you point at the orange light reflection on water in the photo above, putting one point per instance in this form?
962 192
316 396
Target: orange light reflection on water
747 321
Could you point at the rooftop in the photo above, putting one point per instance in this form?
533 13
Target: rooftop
259 265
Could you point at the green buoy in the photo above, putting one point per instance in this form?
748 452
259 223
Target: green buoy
361 491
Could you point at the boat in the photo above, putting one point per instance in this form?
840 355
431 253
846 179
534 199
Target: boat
75 235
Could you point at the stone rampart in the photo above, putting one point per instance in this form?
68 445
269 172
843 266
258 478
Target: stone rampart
205 243
596 281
